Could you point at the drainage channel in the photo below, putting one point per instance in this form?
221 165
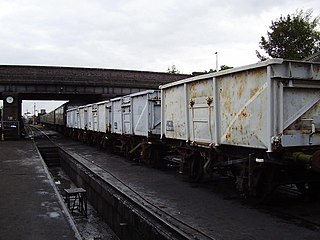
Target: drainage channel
92 227
107 207
127 214
50 155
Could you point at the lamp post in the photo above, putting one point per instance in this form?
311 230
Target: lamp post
2 127
34 113
217 65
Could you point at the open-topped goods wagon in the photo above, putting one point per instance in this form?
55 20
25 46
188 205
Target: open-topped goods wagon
260 122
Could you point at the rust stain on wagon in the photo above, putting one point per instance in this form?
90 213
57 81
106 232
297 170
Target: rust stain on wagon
253 91
241 89
240 84
243 114
200 88
228 105
228 136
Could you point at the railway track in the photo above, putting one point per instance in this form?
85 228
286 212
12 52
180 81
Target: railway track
287 204
161 220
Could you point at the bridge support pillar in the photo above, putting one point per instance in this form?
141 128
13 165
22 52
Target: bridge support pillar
11 117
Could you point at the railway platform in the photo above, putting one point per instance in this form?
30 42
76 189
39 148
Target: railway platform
30 207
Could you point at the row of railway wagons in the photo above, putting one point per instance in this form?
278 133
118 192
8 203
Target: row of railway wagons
57 118
259 122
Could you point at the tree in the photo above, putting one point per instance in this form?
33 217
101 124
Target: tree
173 70
292 37
225 67
222 67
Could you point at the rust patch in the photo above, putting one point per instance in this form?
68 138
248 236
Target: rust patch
228 136
199 88
242 83
228 104
253 91
241 128
192 89
243 114
241 90
209 100
191 103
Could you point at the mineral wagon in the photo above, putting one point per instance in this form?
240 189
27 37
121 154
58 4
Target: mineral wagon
119 124
261 122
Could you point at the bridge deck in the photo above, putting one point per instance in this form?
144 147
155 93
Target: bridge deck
29 205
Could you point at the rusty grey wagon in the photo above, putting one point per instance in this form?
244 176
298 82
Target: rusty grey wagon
260 121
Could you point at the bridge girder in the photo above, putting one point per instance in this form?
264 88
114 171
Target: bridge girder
60 82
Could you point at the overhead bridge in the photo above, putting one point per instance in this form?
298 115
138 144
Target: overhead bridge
60 83
19 83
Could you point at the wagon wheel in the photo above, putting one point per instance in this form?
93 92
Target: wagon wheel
156 156
127 149
89 139
196 171
266 184
151 155
235 170
99 142
83 138
310 188
108 145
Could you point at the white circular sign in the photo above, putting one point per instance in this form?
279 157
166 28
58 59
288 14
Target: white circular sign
9 99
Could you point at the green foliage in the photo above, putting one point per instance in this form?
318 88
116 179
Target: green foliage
173 70
292 37
222 67
210 71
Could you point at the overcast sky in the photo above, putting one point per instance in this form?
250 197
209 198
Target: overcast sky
140 34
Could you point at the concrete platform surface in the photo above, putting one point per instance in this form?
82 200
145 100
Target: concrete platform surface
29 205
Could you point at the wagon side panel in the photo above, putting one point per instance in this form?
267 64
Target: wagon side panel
243 108
174 112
